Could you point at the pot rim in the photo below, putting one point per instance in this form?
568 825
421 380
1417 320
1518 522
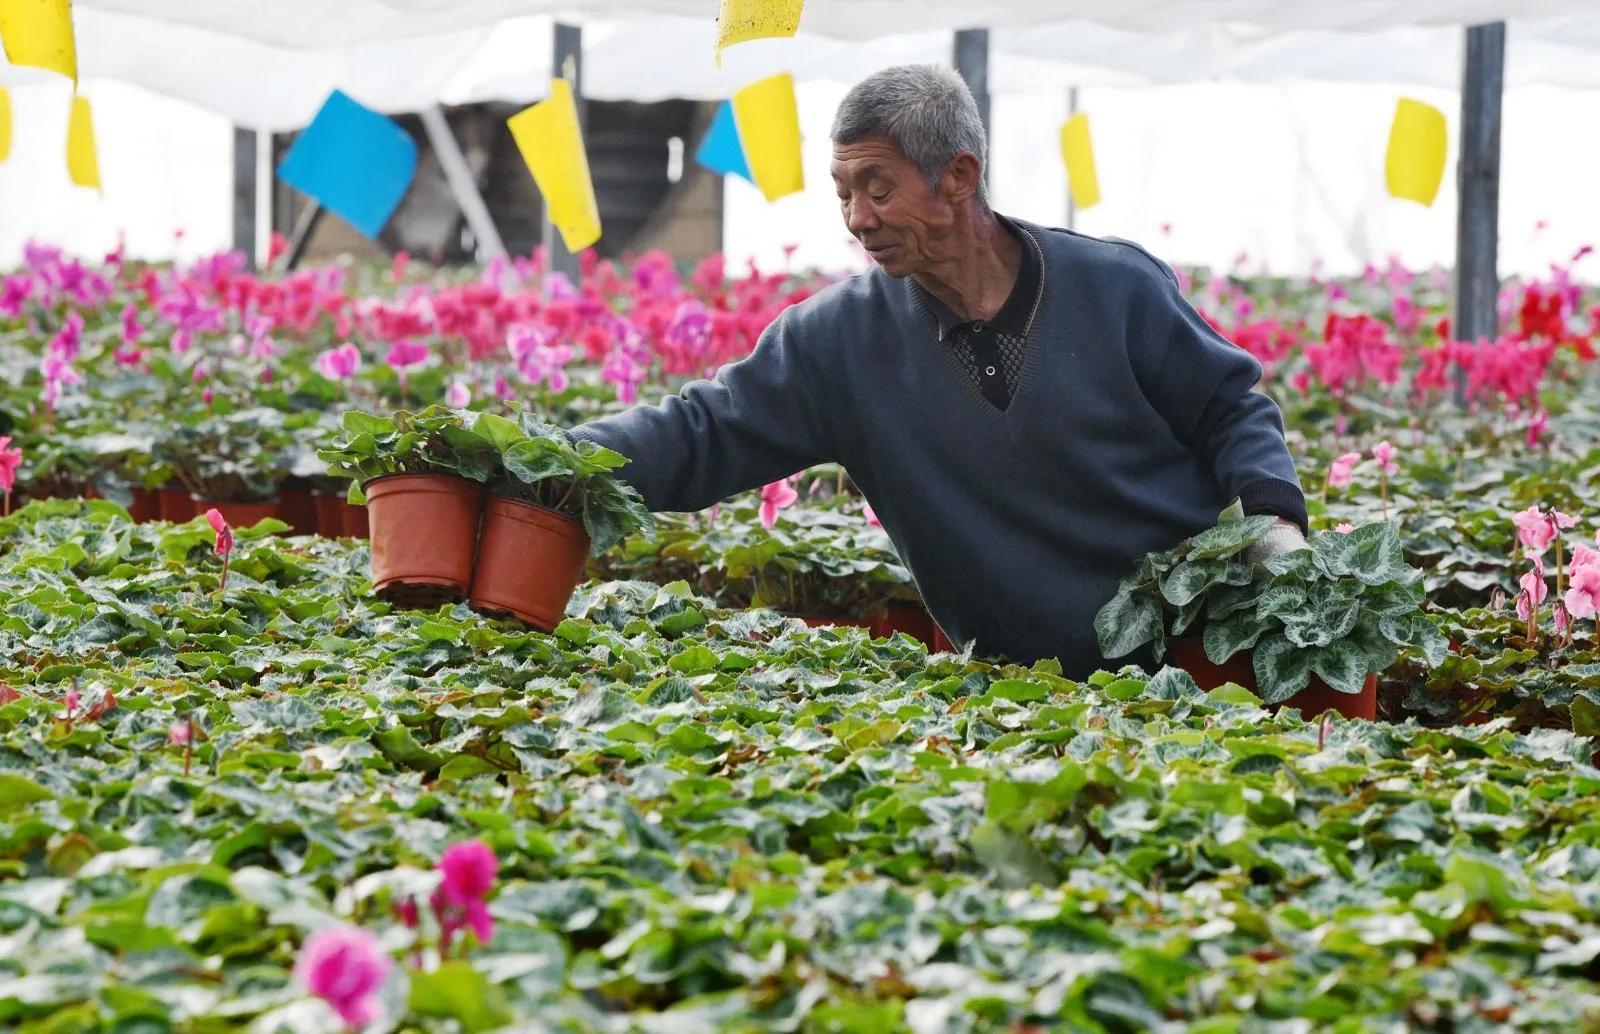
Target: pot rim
416 474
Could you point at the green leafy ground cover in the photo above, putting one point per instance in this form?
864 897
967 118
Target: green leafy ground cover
720 820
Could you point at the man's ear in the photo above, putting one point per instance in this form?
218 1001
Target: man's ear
961 178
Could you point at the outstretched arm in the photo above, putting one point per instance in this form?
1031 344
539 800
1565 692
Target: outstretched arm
755 422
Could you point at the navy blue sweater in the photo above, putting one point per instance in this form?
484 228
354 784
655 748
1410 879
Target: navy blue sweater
1132 426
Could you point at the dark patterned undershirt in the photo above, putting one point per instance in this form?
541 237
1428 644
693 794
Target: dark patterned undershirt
991 351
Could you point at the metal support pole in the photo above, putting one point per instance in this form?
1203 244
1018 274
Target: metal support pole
972 64
1072 204
569 66
1478 177
304 227
244 193
463 184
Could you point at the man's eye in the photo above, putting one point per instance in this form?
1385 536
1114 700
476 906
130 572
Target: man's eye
879 199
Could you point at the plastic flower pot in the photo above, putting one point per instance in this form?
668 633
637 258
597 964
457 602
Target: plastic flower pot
1190 655
297 509
355 522
238 515
911 618
529 560
175 505
330 514
424 532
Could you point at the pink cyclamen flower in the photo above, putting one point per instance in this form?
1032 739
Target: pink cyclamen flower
339 364
1345 528
72 700
1583 592
1534 590
779 495
179 733
344 966
468 872
10 461
1582 556
871 515
404 353
219 524
1534 530
1538 424
457 395
1340 471
1385 453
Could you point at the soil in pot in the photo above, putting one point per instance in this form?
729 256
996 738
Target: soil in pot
238 515
1317 697
529 561
425 530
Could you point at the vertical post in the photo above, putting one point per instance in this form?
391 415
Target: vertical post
569 66
972 64
1072 205
1478 176
244 193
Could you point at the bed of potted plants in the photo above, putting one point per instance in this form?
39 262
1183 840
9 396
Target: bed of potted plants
234 462
1308 629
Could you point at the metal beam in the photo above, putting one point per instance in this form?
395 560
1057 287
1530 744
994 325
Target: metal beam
1477 284
463 184
1072 204
300 238
972 63
244 193
569 66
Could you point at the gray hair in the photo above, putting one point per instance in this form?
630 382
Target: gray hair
925 111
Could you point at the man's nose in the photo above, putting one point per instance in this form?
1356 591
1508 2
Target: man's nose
860 218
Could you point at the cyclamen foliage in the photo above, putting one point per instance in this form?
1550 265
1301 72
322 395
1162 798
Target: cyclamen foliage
728 820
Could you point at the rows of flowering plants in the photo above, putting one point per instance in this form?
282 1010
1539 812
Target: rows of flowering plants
239 793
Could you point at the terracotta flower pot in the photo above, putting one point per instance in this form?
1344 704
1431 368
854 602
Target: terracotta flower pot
529 561
425 528
355 522
330 514
1190 655
238 515
824 621
175 505
911 618
298 510
145 505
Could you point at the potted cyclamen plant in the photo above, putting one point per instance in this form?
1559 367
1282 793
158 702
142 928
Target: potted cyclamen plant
554 502
232 462
1309 629
422 477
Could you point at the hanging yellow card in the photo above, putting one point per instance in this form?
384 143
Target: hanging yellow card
551 143
5 123
83 161
739 21
1077 151
1418 140
38 33
769 127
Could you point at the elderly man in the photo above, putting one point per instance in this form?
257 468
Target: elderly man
1028 410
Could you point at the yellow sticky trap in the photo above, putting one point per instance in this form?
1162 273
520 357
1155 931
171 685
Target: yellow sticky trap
551 143
1418 140
5 123
769 127
1077 151
739 21
38 33
83 161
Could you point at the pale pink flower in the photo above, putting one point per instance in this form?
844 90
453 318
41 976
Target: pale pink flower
1340 471
339 364
56 372
457 395
1583 556
468 872
779 495
179 733
1534 590
871 515
1344 528
1538 424
345 966
219 525
1385 453
1583 592
1561 620
1534 530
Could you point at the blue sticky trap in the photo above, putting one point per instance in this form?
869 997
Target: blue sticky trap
355 162
721 150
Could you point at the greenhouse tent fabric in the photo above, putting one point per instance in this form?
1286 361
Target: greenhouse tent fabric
269 66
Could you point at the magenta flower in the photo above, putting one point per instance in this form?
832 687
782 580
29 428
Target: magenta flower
1538 424
10 461
69 339
457 395
56 371
468 872
219 524
14 292
779 495
871 515
1535 530
344 966
404 354
537 357
1583 591
1340 471
1385 453
339 364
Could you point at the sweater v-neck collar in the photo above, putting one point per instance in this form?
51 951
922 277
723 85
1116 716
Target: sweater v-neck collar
1003 418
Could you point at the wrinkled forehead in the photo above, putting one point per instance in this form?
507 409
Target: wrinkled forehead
865 159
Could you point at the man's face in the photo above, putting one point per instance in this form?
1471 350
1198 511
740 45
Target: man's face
889 207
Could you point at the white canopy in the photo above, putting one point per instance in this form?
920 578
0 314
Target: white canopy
269 65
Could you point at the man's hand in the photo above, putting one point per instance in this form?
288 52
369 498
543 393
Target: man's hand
1284 537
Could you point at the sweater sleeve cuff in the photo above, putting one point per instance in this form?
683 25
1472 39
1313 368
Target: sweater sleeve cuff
1280 498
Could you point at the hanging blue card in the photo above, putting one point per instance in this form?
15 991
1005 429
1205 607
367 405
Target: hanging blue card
356 162
721 150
